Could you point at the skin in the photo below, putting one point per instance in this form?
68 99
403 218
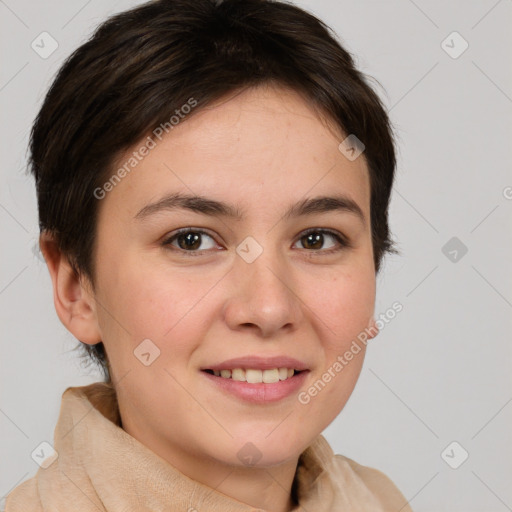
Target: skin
262 149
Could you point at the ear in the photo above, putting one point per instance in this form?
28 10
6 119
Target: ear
372 328
72 294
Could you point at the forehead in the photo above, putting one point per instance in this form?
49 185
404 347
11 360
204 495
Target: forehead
266 146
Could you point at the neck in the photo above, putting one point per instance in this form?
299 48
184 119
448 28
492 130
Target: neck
269 488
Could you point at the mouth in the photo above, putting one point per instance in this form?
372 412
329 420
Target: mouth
257 386
254 375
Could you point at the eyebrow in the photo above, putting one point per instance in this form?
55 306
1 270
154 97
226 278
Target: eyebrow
212 207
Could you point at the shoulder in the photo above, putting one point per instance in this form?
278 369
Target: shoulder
353 485
372 480
24 497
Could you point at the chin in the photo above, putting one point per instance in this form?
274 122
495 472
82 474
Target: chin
261 451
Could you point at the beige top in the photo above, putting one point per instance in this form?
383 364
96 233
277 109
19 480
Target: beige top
100 467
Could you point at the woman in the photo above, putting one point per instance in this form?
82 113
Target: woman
213 181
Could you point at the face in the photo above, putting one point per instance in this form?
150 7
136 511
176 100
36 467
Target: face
268 282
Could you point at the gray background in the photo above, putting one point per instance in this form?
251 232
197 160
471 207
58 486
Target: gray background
441 370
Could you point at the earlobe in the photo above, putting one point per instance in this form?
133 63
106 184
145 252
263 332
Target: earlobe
372 328
74 302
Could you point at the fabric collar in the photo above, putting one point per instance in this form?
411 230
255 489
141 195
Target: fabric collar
100 467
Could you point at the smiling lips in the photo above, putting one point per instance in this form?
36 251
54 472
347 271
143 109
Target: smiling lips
256 369
259 363
254 376
259 392
259 379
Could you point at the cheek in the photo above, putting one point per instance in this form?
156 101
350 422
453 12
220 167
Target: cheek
344 304
145 302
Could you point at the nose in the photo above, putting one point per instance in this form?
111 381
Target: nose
263 298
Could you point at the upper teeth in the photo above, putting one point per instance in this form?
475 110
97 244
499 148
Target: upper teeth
254 376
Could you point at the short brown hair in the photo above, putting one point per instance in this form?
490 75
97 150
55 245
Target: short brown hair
139 66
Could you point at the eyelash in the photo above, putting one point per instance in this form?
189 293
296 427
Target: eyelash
343 242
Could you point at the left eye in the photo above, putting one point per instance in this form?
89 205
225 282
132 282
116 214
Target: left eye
316 237
190 240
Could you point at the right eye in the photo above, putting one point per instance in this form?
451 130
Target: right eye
189 240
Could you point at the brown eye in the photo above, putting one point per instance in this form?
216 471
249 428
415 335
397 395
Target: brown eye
314 239
190 240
